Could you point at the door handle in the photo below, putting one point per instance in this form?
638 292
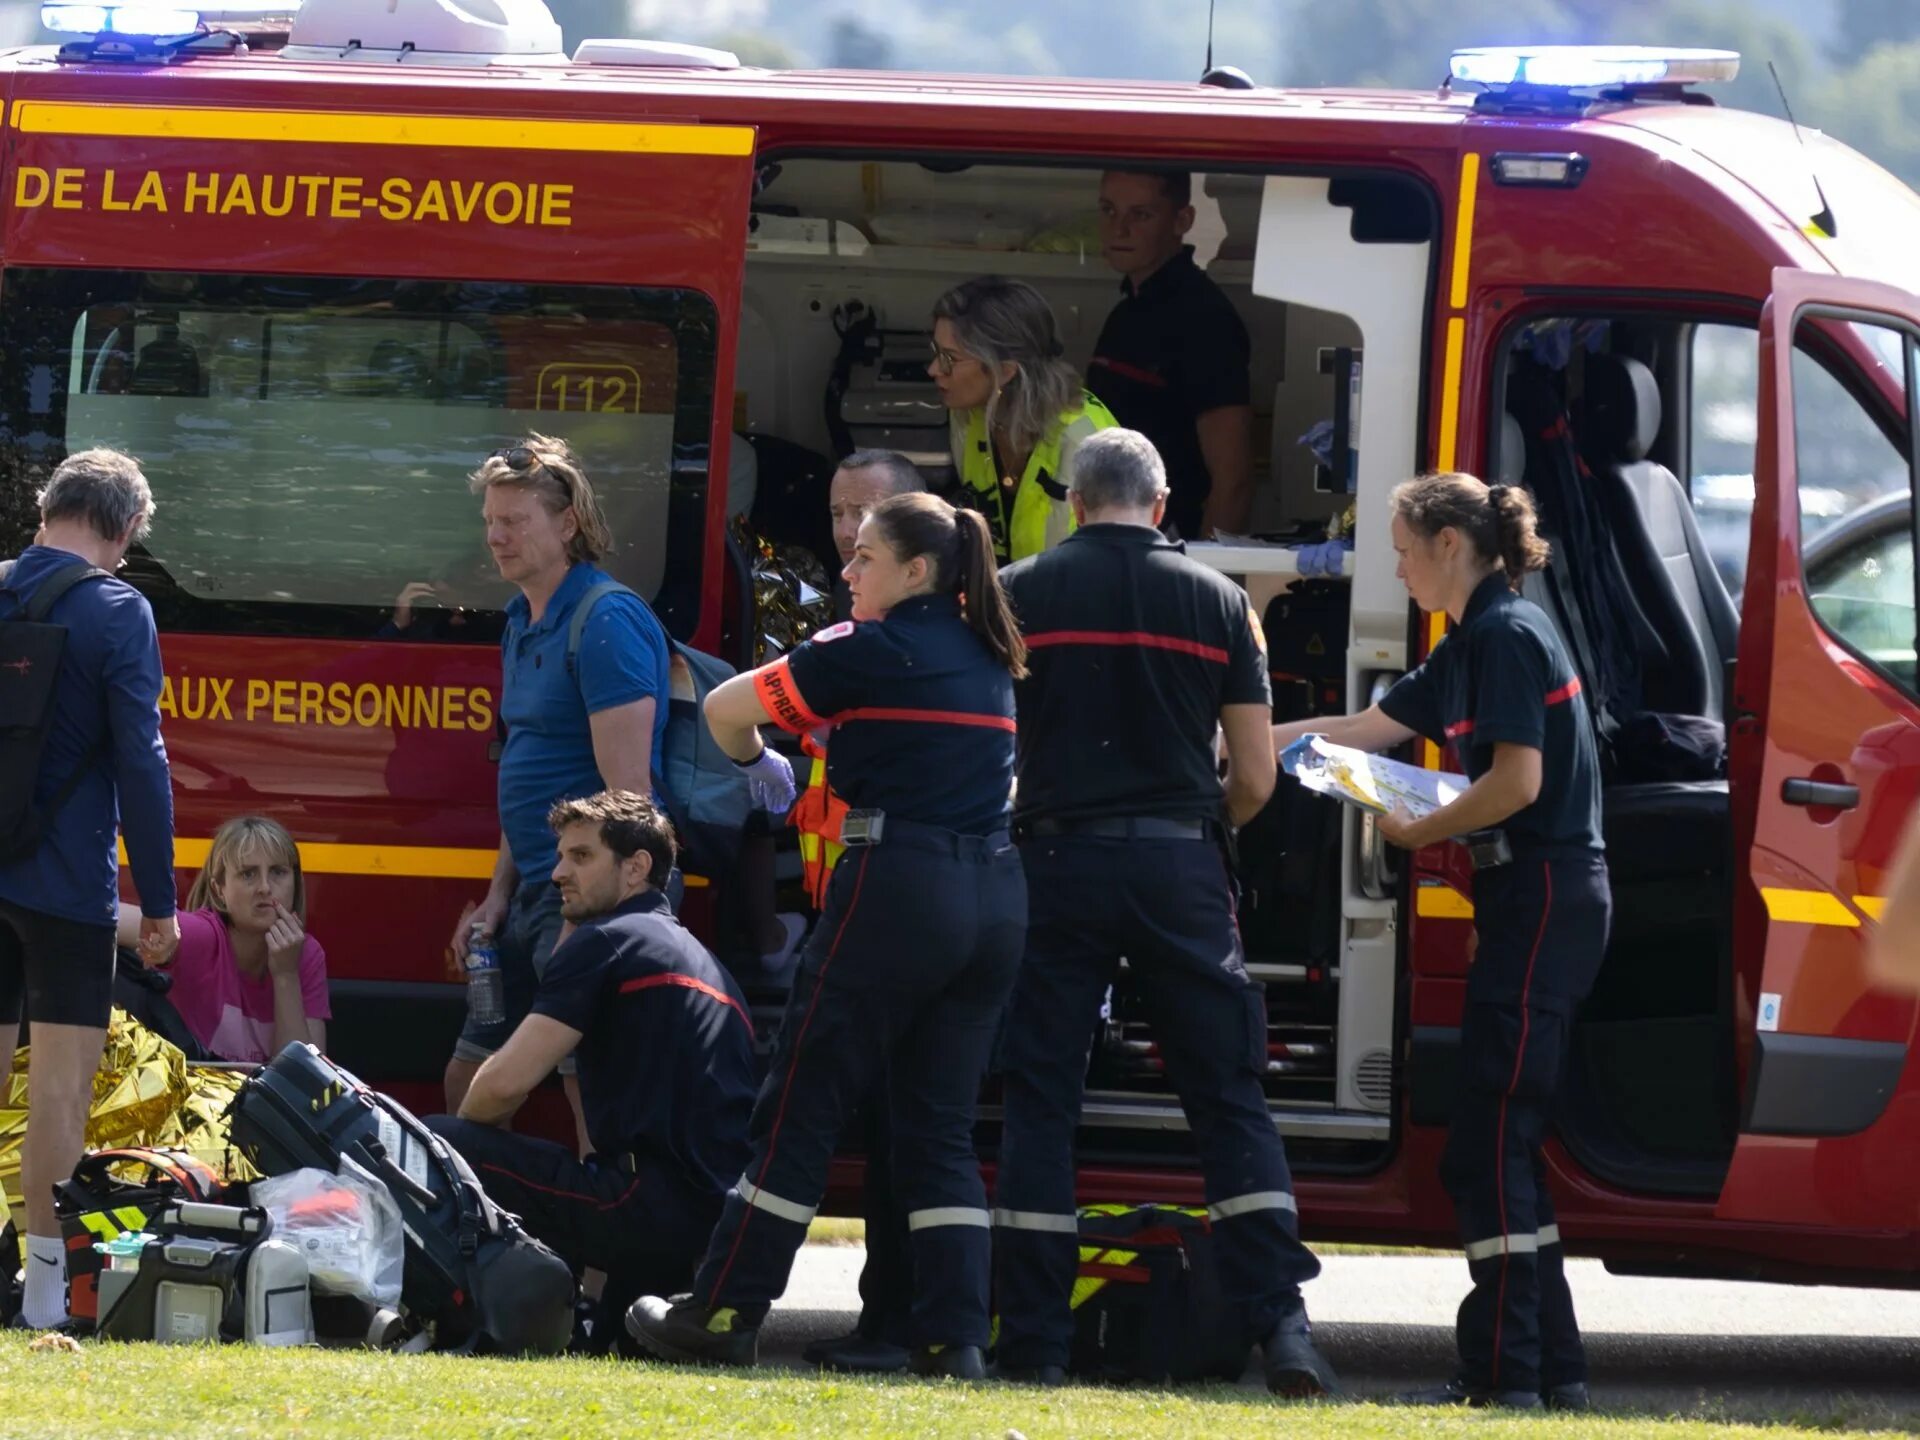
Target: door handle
1821 794
1378 874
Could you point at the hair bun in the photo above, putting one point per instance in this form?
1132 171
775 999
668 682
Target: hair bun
1496 493
1056 350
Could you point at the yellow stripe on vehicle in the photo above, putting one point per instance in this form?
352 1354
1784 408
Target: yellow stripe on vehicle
433 862
1807 907
1871 906
334 127
1450 392
1463 227
414 862
1441 902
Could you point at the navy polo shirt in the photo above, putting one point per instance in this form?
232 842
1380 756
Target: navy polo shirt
1172 350
549 751
666 1044
1133 648
921 714
1502 676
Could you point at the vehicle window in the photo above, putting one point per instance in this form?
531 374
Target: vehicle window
1864 593
1856 506
1722 429
309 441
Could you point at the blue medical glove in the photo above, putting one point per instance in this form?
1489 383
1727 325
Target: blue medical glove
770 781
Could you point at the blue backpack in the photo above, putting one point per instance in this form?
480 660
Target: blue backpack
706 795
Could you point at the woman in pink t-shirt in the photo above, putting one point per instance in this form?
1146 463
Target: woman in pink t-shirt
247 979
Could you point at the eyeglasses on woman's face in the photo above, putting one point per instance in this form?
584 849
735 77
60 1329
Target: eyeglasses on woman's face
944 360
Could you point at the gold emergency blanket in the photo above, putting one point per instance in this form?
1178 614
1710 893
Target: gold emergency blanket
144 1093
792 596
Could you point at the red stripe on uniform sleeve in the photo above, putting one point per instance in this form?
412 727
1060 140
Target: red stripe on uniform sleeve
1565 693
1459 728
782 699
687 982
932 717
1176 643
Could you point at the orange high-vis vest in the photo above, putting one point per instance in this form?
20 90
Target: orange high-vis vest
818 815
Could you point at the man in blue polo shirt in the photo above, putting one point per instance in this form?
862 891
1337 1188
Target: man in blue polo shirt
575 725
667 1076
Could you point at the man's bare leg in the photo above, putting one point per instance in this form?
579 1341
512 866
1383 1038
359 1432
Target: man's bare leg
60 1075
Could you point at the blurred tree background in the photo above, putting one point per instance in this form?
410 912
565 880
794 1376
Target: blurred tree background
1851 67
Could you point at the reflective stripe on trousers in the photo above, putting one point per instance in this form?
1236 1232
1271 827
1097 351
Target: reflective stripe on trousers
773 1204
1248 1204
1514 1244
1037 1220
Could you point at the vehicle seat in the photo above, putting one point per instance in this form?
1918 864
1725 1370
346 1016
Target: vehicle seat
1666 562
1654 831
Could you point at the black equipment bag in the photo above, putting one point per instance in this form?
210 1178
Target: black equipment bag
1306 628
471 1272
30 651
1148 1302
1288 868
114 1192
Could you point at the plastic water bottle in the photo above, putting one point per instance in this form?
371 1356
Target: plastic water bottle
486 989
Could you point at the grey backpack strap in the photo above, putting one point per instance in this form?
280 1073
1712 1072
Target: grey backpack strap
583 612
56 585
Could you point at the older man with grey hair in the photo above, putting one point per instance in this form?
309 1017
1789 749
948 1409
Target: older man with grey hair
82 644
1135 655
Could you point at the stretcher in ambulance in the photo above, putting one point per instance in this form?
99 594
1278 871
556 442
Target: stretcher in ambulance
310 276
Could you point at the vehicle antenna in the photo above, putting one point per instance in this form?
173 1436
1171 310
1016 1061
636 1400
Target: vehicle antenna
1209 65
1823 222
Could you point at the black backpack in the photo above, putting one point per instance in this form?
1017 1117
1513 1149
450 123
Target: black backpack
470 1271
1147 1301
30 651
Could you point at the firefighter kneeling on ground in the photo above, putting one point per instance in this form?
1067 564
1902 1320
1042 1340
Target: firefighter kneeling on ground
666 1065
1501 689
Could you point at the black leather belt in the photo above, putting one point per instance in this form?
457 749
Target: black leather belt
1125 827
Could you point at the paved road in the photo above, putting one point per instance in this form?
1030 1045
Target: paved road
1706 1348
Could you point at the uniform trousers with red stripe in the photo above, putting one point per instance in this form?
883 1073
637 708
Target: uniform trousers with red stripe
639 1221
1167 906
1542 926
908 970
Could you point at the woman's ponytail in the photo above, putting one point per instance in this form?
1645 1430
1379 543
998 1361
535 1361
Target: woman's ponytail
1516 539
960 547
983 598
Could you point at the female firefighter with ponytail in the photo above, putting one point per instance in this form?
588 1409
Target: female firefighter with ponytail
915 953
1501 692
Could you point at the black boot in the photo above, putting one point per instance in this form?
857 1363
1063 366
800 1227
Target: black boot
1571 1397
1046 1376
1457 1392
1295 1367
687 1333
857 1353
955 1362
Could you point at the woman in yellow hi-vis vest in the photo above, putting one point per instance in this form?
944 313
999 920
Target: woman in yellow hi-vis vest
1016 410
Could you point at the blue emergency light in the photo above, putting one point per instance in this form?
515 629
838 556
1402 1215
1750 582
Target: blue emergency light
1589 67
152 20
119 19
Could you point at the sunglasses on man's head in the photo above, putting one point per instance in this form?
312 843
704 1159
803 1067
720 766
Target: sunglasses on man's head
518 457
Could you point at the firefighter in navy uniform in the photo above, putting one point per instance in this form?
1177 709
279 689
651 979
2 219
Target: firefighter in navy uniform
1502 692
915 953
1139 657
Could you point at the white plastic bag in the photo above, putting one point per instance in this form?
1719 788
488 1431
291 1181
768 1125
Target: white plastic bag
347 1226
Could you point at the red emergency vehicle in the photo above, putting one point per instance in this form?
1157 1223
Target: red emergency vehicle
311 277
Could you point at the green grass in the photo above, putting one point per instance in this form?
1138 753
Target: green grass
143 1391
